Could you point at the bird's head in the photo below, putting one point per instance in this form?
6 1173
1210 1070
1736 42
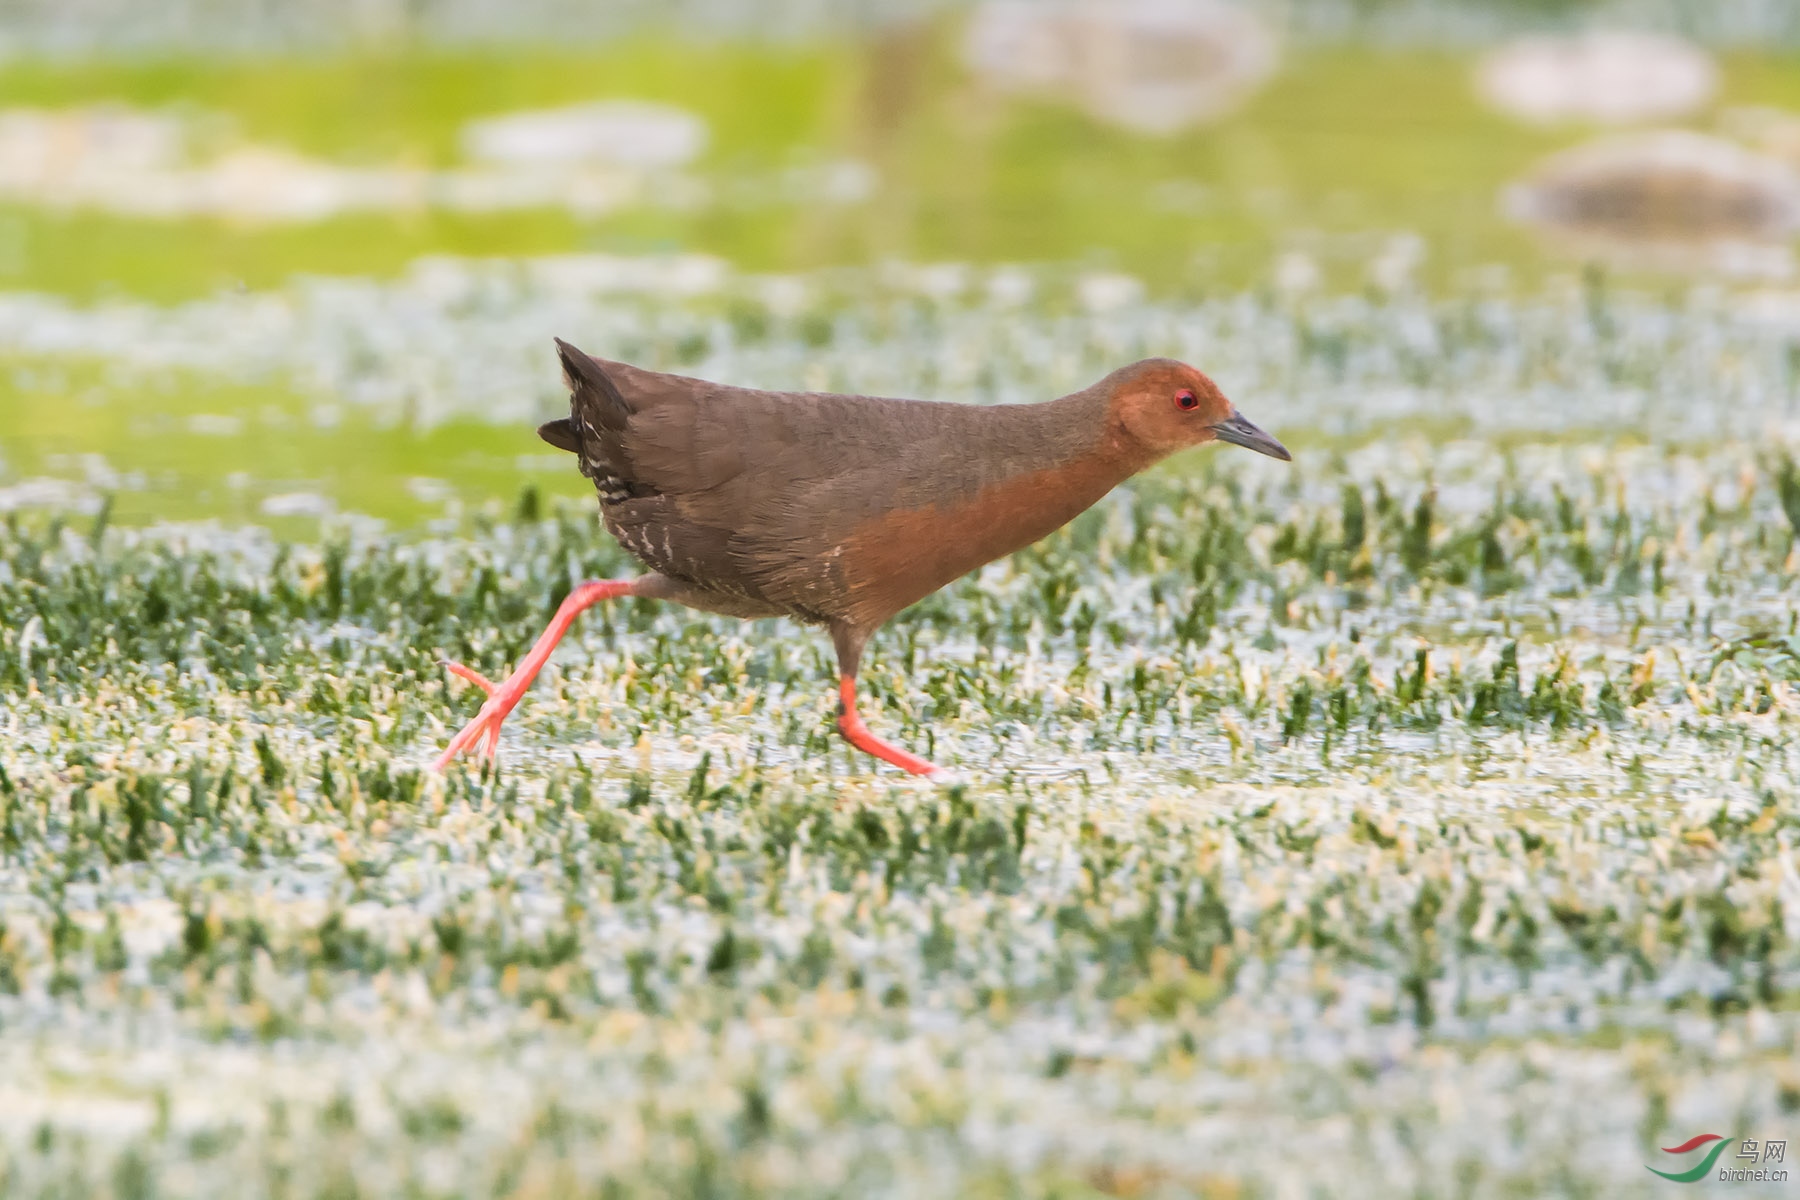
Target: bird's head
1165 406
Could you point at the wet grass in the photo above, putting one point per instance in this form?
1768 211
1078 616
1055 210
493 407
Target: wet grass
1415 819
1332 807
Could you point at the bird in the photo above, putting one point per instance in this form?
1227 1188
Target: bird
837 510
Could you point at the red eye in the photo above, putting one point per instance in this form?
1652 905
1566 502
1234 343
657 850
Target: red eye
1186 400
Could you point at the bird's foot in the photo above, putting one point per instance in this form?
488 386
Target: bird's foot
483 733
503 697
850 724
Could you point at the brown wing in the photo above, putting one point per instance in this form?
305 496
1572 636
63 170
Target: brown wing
709 484
640 502
756 494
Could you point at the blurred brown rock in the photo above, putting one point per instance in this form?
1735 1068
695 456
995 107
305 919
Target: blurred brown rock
1668 196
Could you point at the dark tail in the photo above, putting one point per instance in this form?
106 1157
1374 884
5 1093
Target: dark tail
590 389
561 434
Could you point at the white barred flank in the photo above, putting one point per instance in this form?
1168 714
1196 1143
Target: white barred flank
612 489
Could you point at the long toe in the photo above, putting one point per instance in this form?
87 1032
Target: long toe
490 745
475 677
482 734
466 737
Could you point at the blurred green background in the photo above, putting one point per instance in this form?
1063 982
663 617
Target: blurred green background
841 145
1344 139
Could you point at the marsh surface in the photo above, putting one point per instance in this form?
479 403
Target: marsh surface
1418 818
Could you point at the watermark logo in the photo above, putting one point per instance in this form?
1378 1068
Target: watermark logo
1747 1165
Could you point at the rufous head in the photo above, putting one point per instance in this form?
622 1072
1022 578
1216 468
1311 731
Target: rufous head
1165 406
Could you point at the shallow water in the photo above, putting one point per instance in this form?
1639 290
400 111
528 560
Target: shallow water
254 369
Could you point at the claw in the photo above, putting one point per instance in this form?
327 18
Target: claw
483 733
486 725
475 677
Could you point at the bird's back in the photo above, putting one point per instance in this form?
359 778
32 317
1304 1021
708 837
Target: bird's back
790 499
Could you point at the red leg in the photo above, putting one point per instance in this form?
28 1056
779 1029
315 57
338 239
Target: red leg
850 723
502 697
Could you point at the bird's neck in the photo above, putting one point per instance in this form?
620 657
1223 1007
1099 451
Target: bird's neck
1062 457
1072 453
1001 478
